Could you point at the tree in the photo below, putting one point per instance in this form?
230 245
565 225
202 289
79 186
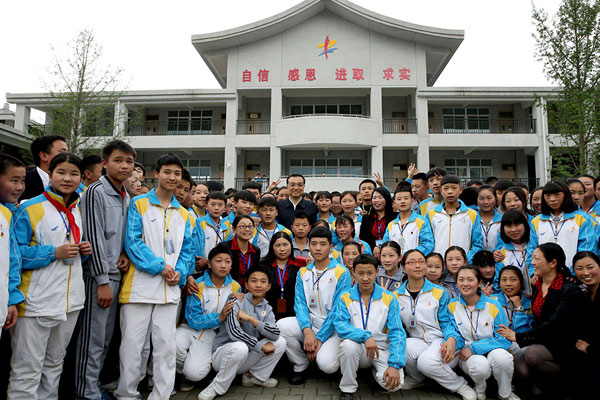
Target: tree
569 48
82 94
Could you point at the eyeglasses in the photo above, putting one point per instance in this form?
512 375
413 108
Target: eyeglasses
246 227
415 262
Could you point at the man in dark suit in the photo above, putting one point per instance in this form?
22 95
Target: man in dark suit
289 207
43 150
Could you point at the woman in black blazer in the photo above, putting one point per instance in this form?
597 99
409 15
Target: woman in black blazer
244 254
374 224
281 262
559 307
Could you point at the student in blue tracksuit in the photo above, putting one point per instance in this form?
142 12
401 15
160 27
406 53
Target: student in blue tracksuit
370 328
478 319
489 218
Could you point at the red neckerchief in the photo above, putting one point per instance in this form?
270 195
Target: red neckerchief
379 225
73 228
244 259
538 302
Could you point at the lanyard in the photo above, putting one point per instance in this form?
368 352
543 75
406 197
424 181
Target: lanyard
592 207
486 231
380 227
318 279
267 233
403 228
281 276
365 322
67 226
218 230
473 328
523 256
554 232
167 222
509 310
247 263
413 307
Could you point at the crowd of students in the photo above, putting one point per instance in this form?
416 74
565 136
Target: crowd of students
431 281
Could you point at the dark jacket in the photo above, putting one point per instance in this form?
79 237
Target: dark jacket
289 290
235 262
562 320
592 332
366 227
33 185
286 212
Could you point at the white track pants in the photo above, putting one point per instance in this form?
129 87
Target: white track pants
194 351
328 357
425 360
499 362
38 354
235 358
136 321
353 356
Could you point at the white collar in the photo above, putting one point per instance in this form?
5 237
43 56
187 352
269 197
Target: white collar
44 175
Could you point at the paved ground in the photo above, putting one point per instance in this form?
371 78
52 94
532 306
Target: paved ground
316 389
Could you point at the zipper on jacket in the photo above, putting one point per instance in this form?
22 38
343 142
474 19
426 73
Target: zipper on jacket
68 287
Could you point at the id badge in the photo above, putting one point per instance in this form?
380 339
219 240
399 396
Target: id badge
312 300
378 243
68 261
169 246
402 243
281 306
412 322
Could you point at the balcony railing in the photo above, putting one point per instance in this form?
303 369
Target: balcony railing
326 115
400 125
239 182
168 128
481 125
253 127
87 131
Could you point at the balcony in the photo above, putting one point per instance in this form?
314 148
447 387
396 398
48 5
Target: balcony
239 182
481 125
400 125
87 131
172 128
253 127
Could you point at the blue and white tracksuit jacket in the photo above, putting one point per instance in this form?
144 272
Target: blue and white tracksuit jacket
416 233
383 322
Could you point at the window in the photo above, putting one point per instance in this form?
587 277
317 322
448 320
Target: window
199 169
310 109
329 166
466 120
189 122
471 168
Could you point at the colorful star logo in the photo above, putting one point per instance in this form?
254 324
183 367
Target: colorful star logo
327 47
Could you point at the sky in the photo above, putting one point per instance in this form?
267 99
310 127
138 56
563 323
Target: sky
151 40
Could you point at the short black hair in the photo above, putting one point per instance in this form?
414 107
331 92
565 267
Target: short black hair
214 186
371 181
65 157
89 162
295 176
469 196
450 179
259 268
168 159
514 217
517 272
186 176
267 201
323 195
335 193
346 219
568 181
245 195
349 243
553 251
474 182
237 220
320 232
229 192
502 184
43 143
216 196
483 258
491 180
585 176
301 215
522 185
252 185
119 145
365 259
436 171
219 249
421 176
7 161
139 165
554 187
403 187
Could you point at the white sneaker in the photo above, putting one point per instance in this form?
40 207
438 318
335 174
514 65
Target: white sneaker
251 380
467 393
481 396
207 394
410 384
512 396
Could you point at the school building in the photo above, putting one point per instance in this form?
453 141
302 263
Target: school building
335 92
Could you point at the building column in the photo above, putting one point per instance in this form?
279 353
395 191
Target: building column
274 150
121 119
230 161
542 153
376 112
422 133
22 118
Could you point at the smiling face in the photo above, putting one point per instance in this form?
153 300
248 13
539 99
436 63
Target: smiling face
349 204
343 230
244 229
515 232
295 186
435 268
402 201
510 283
200 195
487 272
467 282
587 271
512 202
486 201
541 266
258 284
324 204
168 177
536 201
365 275
349 254
282 249
12 184
415 265
65 178
378 201
455 260
390 259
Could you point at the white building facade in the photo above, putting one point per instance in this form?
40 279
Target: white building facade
335 92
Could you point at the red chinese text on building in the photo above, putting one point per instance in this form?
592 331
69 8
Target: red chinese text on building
294 74
404 74
388 74
310 75
263 75
357 74
246 76
340 74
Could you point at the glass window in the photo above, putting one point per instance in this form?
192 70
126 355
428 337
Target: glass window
356 109
450 162
294 162
320 162
344 108
332 109
320 109
471 168
307 110
296 110
462 162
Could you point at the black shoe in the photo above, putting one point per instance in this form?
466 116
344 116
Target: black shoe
297 378
346 396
